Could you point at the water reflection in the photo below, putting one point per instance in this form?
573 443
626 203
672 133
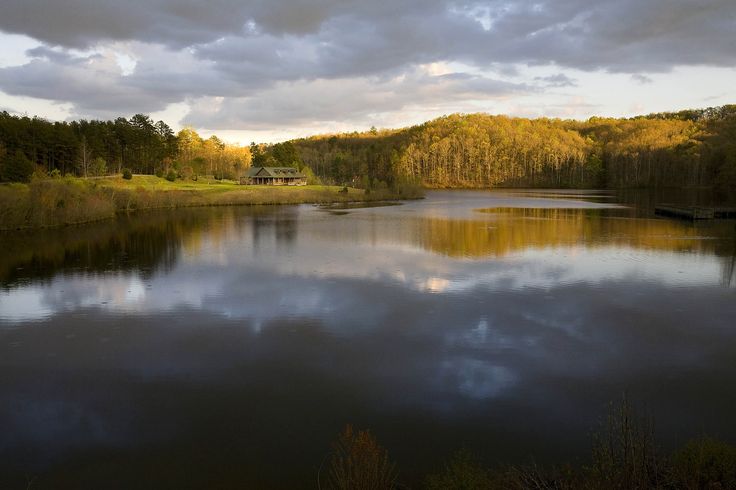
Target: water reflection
146 244
155 241
224 347
513 230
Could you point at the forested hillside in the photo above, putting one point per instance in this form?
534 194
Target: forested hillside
688 148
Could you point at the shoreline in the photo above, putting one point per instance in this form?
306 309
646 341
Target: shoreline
56 203
72 201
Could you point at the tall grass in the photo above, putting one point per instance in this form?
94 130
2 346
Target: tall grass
55 202
50 203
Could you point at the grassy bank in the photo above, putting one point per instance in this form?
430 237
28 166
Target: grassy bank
58 202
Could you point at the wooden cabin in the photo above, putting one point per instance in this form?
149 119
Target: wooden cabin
273 176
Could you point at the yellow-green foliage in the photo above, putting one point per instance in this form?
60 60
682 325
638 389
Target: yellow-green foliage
691 148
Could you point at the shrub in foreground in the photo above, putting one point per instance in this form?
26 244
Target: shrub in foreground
705 463
127 174
462 471
358 462
624 457
625 452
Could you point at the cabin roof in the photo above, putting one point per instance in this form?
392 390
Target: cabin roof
276 172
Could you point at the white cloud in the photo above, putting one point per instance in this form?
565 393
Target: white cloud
320 63
353 100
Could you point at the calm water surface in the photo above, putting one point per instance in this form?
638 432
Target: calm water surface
226 347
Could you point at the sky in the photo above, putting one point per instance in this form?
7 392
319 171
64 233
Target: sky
270 70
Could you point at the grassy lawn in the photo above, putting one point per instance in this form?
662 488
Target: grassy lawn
222 192
153 183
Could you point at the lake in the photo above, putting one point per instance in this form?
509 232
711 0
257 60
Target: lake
227 347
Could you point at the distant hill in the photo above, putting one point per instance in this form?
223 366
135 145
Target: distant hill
686 148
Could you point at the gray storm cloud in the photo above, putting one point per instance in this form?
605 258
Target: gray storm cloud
188 51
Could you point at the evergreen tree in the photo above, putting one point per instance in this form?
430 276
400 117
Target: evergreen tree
16 168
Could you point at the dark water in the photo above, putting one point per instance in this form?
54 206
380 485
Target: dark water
226 347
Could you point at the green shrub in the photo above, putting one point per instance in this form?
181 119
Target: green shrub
228 175
17 168
171 175
127 174
159 173
99 166
39 174
311 178
186 173
705 463
462 472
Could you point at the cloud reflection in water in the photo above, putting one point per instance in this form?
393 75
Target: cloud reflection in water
392 316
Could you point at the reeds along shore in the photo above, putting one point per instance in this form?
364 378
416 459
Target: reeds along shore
624 455
70 201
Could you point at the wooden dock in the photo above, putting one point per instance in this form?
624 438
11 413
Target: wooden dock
694 212
724 213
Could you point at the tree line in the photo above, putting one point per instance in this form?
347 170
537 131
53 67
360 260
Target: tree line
94 148
686 148
694 147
